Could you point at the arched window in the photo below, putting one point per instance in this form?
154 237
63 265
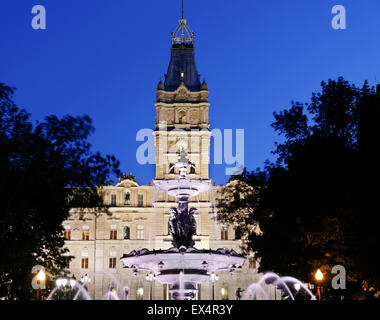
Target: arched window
127 198
182 117
171 168
127 232
192 170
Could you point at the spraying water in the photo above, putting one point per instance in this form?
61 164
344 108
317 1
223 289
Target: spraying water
80 290
255 290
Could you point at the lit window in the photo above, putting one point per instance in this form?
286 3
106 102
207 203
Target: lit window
182 117
140 200
252 262
112 260
67 233
84 264
224 291
224 234
85 233
126 232
113 200
198 291
166 291
127 199
112 264
140 232
139 291
113 234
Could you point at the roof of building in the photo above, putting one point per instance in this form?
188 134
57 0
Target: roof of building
182 66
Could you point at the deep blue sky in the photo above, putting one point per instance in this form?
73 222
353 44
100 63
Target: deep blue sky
104 59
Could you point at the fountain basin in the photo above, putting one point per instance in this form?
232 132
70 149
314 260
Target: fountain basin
188 266
183 187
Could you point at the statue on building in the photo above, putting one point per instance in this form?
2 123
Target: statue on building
125 176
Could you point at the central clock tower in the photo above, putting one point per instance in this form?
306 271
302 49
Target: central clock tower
182 111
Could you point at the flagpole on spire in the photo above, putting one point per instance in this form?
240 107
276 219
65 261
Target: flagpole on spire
182 9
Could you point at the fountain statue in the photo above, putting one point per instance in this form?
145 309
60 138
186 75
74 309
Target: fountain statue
183 266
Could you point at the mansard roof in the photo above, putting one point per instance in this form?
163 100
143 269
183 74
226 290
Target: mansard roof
182 66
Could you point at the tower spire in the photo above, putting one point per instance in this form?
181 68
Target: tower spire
182 9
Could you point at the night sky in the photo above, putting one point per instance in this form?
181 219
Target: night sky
105 58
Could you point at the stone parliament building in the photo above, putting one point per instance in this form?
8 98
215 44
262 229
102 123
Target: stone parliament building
138 216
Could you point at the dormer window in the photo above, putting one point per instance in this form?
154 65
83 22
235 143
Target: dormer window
182 117
127 199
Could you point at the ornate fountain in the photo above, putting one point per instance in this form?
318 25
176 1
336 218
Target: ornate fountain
183 266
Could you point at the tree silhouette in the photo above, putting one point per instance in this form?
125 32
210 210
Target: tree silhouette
317 206
45 170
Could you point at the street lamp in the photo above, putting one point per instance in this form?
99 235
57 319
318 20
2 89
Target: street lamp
40 277
214 278
150 277
86 279
319 278
65 284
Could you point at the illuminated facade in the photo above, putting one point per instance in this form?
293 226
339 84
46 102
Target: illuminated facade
138 217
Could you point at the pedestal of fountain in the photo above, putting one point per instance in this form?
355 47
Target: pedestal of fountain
183 266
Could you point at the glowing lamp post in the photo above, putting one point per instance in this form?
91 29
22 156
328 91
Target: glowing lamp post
150 277
319 278
65 285
214 278
40 277
85 280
